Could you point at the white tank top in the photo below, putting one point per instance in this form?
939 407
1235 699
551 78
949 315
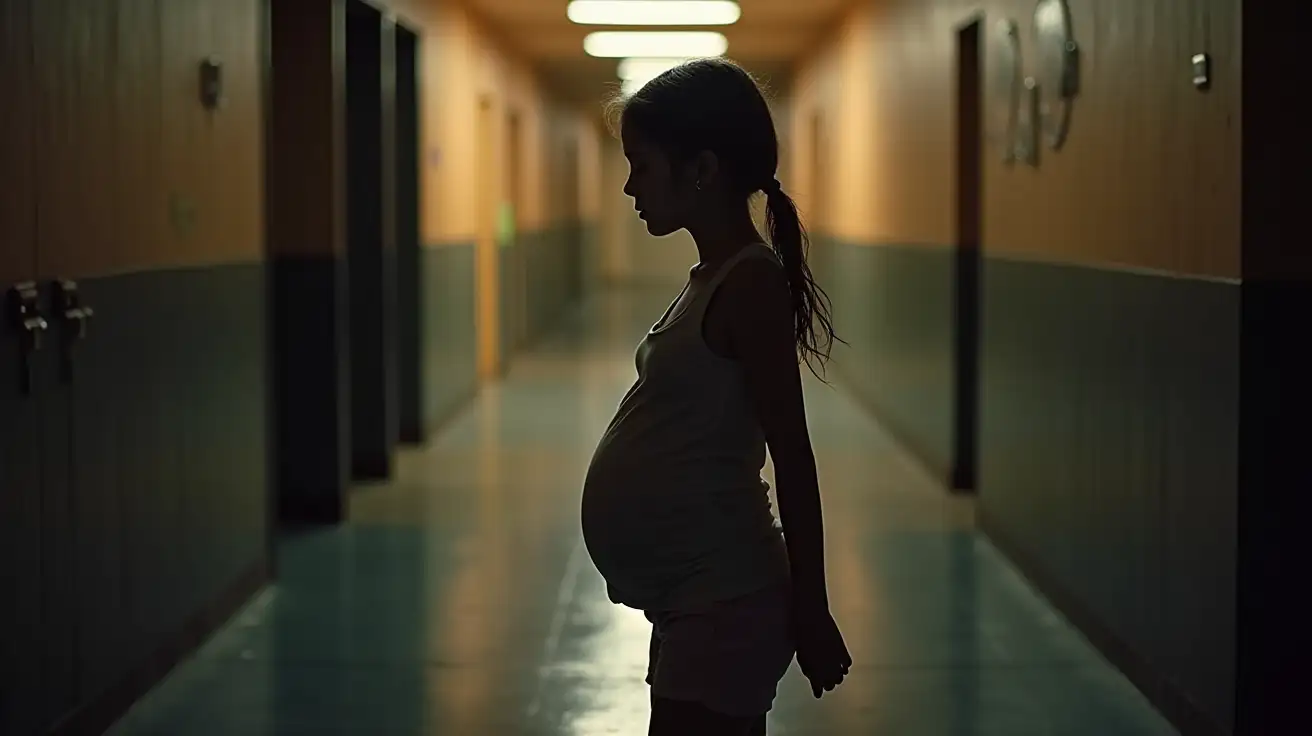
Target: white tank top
675 513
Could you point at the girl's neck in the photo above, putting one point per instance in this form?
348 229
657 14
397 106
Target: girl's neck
719 238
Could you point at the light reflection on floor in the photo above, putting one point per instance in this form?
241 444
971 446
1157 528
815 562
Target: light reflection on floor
459 601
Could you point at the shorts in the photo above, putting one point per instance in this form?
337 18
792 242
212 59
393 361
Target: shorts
729 657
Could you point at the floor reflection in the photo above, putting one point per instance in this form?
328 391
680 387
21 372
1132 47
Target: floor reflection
460 602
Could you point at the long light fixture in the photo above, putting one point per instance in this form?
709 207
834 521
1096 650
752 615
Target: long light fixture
630 86
635 72
672 44
642 68
654 12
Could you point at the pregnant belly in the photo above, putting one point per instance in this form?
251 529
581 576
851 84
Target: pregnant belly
648 539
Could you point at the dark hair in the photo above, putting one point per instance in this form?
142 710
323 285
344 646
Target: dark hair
715 105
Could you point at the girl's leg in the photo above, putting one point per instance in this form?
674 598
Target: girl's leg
685 718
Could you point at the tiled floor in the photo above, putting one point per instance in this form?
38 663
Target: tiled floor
459 600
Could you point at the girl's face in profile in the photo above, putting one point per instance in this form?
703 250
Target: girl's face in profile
664 193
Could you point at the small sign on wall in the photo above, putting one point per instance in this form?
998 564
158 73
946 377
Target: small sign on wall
506 224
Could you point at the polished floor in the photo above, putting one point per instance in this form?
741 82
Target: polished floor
459 600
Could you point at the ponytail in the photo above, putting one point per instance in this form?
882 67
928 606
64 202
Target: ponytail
812 321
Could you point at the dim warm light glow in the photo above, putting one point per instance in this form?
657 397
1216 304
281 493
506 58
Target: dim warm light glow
635 72
621 44
634 68
654 12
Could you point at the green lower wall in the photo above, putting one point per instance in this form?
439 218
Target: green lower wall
893 306
541 274
142 499
136 507
449 338
1109 457
1108 440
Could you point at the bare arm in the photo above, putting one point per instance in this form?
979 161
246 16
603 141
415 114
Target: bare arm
759 327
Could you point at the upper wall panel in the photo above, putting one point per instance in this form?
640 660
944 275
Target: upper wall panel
1148 178
135 172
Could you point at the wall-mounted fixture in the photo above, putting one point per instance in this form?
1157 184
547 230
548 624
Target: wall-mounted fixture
1202 71
1057 69
660 44
74 316
1005 86
211 83
24 313
654 12
1025 146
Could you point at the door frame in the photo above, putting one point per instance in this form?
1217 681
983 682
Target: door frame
407 232
967 253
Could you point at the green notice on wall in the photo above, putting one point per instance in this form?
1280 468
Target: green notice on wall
506 224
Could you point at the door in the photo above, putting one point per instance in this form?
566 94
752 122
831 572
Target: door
409 269
513 246
20 470
967 278
373 376
487 257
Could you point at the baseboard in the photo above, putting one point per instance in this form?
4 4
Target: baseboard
1166 696
96 716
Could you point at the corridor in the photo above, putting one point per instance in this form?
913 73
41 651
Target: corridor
459 600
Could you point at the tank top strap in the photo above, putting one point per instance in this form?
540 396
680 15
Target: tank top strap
755 250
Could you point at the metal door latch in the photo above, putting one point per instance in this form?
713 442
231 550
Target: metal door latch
24 305
75 317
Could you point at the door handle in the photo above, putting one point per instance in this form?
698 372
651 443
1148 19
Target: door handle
74 316
25 316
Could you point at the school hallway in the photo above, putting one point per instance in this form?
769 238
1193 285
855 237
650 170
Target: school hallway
316 309
459 600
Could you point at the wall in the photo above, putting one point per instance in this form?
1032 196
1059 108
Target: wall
1107 458
477 83
134 474
136 465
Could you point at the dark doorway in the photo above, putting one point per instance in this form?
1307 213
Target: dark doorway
969 234
370 258
306 247
410 283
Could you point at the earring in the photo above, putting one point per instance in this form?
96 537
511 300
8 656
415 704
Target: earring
699 185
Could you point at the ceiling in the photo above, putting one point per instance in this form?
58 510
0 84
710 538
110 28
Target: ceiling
769 37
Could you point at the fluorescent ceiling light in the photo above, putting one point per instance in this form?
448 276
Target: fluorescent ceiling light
654 12
630 86
646 68
637 72
621 44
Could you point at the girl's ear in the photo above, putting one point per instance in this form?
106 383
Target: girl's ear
707 168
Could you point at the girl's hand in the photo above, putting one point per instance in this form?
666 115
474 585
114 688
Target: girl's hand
821 652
